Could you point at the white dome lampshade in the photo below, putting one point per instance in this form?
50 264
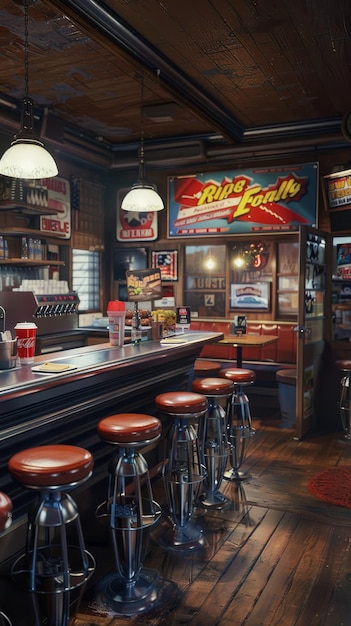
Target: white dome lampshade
142 198
27 157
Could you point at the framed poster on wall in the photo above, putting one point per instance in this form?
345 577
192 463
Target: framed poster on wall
245 201
167 262
250 296
58 199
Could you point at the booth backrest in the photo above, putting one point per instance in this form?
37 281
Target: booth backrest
281 351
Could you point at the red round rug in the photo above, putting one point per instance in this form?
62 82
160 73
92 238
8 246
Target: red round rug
333 486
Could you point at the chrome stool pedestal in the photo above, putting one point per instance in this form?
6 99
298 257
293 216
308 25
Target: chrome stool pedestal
214 444
5 522
52 568
130 512
239 422
183 472
345 398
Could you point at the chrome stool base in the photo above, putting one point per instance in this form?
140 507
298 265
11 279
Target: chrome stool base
132 600
215 500
4 620
188 537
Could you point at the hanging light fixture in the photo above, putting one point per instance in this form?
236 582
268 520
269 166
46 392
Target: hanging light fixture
143 196
27 157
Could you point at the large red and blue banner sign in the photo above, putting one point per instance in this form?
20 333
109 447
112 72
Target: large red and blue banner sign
245 201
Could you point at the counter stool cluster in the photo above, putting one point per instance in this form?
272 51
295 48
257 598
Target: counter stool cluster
209 426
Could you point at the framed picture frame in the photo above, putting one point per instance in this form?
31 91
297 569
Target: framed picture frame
250 296
167 262
144 285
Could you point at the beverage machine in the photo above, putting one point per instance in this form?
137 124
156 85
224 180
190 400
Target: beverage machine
56 317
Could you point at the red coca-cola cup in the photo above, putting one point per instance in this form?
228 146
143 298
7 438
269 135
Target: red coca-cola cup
26 333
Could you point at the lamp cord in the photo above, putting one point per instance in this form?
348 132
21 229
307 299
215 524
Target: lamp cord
141 162
26 63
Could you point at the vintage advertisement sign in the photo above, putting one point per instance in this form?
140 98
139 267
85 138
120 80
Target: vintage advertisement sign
59 199
258 200
338 189
343 261
134 226
143 284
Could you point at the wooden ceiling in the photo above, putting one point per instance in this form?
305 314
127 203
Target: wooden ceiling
243 70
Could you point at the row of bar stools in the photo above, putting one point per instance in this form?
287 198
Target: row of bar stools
51 567
214 444
344 366
129 512
5 522
238 419
183 472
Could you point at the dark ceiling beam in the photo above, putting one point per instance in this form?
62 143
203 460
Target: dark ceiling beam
94 14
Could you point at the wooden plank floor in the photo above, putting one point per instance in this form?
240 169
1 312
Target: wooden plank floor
278 556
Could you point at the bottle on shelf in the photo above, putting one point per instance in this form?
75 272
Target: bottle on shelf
24 248
136 326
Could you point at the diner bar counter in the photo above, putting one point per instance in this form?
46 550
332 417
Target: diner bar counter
64 407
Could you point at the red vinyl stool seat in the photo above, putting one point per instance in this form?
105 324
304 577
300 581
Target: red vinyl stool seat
5 522
129 512
239 376
5 511
213 438
183 472
206 369
344 366
238 419
129 429
184 404
52 470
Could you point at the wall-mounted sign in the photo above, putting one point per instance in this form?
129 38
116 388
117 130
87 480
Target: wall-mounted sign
133 226
337 188
143 285
59 199
249 296
259 200
167 261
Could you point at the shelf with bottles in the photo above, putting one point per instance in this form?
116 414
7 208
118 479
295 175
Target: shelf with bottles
17 231
23 250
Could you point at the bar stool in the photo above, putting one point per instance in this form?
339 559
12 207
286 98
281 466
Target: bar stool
238 419
213 438
51 568
131 589
183 472
345 397
5 522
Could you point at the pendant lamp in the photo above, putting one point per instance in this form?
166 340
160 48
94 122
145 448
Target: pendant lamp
27 157
143 196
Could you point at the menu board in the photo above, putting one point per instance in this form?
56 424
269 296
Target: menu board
143 285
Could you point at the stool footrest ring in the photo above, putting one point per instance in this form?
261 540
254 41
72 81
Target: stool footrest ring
51 582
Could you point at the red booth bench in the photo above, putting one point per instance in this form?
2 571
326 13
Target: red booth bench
265 360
